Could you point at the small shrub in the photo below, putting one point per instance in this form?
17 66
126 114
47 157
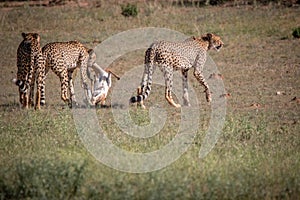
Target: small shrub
296 32
216 2
129 10
43 179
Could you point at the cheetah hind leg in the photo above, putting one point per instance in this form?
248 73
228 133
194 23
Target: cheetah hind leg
185 96
141 103
171 101
169 84
25 99
64 93
31 95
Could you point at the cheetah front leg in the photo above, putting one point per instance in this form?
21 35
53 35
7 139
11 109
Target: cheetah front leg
40 86
185 96
71 88
63 76
31 92
25 99
28 94
21 97
83 71
199 76
169 84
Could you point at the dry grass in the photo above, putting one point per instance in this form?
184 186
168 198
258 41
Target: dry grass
256 157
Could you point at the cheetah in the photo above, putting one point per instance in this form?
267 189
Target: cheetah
172 56
63 58
30 65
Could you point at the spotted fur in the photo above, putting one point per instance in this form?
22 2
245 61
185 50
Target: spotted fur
172 56
30 65
63 58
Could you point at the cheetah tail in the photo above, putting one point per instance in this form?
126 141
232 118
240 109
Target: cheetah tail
141 97
145 89
19 83
115 75
136 99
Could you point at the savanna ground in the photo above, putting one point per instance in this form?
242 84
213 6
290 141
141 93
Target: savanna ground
257 155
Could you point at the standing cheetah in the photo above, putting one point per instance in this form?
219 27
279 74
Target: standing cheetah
30 65
172 56
63 58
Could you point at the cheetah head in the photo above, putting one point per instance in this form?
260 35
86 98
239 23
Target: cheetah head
214 41
30 38
92 57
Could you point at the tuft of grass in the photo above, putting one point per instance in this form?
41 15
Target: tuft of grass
296 32
129 10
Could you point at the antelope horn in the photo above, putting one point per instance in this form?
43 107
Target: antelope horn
115 75
97 68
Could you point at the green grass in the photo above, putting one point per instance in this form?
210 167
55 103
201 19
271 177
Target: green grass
249 161
256 156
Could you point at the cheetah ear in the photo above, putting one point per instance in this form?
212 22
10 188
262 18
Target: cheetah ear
207 37
37 37
24 35
90 51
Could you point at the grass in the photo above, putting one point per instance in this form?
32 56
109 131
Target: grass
256 156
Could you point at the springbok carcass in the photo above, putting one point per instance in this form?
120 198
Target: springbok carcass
100 80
